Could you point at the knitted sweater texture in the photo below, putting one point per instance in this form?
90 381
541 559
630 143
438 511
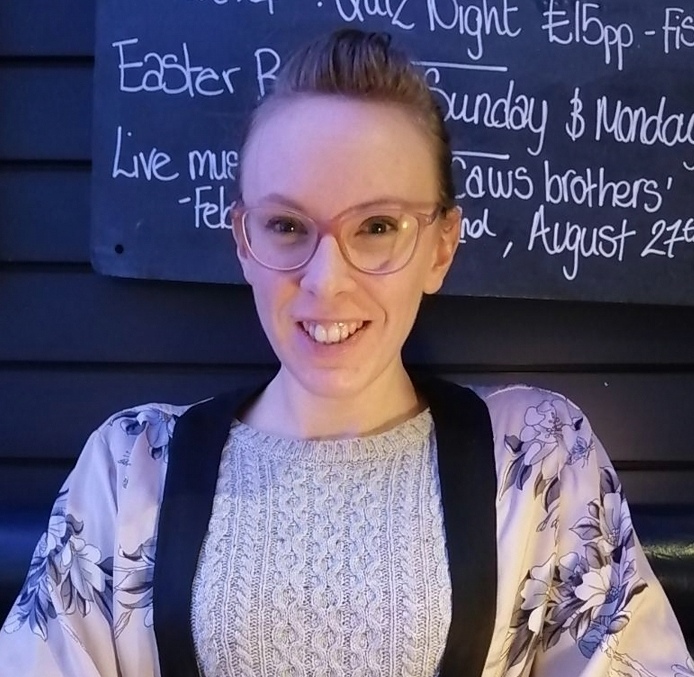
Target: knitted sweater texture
324 557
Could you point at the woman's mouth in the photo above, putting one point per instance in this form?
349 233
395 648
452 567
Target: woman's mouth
331 332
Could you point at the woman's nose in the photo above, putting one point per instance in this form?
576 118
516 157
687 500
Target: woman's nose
328 272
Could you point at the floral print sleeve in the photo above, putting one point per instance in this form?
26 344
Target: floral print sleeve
586 601
85 607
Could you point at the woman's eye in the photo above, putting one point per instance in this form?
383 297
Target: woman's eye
379 225
284 225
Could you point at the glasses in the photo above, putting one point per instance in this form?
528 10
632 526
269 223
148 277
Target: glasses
376 239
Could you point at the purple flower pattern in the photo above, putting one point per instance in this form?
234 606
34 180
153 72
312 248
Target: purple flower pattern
138 583
63 564
534 451
685 670
67 567
157 425
585 593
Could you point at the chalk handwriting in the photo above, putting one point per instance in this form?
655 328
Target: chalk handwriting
361 10
270 3
678 30
169 73
478 181
580 242
516 113
475 20
476 228
582 26
591 188
542 164
267 63
212 207
213 165
665 236
635 124
150 165
577 125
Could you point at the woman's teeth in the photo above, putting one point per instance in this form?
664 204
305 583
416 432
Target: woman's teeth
335 332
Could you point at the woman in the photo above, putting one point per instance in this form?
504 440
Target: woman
336 543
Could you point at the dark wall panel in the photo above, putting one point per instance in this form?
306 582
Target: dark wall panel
70 403
45 112
501 334
40 28
638 417
45 213
82 317
674 488
30 487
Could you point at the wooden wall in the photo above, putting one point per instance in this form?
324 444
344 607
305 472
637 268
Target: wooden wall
74 346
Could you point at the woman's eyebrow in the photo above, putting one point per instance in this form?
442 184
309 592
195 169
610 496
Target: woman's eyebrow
279 198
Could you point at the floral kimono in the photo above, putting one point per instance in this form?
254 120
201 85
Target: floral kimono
575 594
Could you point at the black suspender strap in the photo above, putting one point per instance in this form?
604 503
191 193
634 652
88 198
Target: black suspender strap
468 493
467 476
191 479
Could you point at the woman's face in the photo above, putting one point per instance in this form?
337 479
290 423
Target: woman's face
323 155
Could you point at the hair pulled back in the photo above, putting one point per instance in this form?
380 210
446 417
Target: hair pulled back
366 66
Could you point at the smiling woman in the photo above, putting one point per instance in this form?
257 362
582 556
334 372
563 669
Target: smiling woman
344 518
326 156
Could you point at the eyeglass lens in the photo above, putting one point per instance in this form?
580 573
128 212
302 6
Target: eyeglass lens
374 242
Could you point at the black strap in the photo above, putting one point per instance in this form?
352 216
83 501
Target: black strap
468 492
191 478
467 476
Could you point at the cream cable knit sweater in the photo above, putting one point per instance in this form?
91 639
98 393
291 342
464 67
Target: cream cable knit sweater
324 558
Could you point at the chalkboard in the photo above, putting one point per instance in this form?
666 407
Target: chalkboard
572 126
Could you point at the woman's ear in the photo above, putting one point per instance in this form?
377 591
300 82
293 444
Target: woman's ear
447 240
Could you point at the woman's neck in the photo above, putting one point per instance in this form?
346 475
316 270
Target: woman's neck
287 409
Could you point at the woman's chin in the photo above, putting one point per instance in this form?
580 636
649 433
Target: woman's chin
335 383
343 370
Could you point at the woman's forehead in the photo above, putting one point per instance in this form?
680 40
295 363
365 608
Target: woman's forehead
333 143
